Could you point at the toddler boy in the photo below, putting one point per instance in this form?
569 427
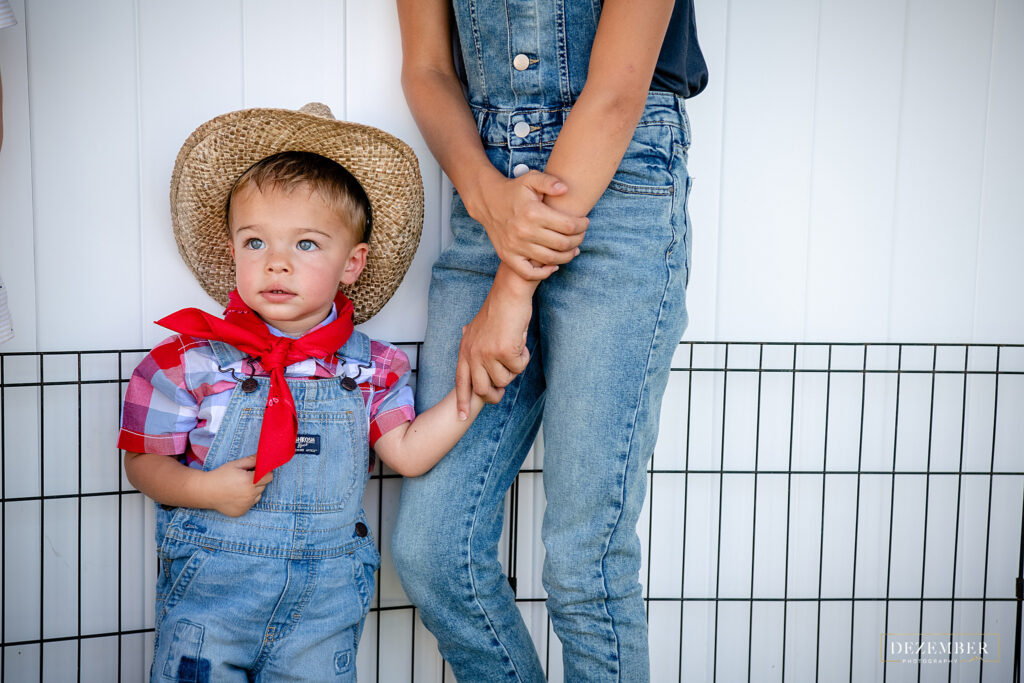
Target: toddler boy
252 433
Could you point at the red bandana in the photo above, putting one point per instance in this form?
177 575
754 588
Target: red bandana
244 330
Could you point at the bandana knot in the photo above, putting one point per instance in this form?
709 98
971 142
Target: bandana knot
250 335
278 355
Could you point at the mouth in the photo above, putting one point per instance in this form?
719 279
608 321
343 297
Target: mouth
276 294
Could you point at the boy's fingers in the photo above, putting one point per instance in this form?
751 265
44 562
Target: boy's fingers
494 397
267 478
500 375
247 463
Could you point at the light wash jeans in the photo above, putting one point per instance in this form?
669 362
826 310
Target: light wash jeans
601 340
280 593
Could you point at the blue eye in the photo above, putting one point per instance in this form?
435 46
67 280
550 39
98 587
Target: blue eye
254 243
307 245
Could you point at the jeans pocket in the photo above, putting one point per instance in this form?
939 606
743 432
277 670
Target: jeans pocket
646 167
180 564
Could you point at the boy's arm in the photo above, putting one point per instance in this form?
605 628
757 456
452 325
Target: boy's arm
412 448
227 489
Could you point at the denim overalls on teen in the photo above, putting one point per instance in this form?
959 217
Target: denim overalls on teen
601 341
280 593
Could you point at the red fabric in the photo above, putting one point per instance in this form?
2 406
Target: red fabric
244 330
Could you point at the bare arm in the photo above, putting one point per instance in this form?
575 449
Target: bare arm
520 226
414 447
228 489
625 52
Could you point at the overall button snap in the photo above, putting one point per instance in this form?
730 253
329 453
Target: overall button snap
361 530
519 170
521 129
521 62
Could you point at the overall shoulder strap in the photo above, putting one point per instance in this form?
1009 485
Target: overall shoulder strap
357 348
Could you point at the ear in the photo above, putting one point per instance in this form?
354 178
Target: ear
355 263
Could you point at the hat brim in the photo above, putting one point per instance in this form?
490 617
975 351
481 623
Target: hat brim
220 150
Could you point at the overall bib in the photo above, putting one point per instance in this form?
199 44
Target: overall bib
601 341
280 593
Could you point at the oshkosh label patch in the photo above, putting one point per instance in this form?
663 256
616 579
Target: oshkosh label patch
307 443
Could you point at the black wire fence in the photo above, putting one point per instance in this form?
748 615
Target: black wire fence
815 512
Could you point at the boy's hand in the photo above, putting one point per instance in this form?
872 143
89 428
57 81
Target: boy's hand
230 486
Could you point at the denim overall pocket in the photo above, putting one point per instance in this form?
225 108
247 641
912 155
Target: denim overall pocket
327 457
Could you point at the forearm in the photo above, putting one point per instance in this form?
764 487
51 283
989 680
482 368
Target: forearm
435 98
443 117
584 167
412 448
167 481
622 61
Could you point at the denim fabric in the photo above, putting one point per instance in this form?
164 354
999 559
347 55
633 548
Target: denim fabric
280 593
601 341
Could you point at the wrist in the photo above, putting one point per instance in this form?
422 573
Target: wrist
197 489
508 283
478 186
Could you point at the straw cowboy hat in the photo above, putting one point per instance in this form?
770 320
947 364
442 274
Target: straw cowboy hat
220 150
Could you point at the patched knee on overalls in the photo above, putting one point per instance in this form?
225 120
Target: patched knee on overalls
343 661
183 661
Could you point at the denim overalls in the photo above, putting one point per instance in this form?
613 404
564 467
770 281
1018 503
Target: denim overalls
601 341
280 593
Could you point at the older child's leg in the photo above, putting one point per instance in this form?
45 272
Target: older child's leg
450 519
610 321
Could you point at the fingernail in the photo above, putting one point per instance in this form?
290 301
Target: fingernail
462 416
559 186
577 251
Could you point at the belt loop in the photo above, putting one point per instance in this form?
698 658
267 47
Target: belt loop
684 118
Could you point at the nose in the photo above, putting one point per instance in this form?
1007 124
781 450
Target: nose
277 262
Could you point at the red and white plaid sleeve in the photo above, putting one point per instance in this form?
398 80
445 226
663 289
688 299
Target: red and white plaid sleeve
159 410
392 401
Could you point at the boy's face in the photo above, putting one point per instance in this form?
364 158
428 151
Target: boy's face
291 251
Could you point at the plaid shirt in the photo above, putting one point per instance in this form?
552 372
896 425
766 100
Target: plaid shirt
177 396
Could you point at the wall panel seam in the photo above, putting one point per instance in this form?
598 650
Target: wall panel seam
721 172
32 178
140 191
809 233
896 170
983 177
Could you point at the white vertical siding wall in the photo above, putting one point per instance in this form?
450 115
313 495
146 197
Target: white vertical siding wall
857 170
855 164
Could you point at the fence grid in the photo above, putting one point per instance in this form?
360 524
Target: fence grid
804 500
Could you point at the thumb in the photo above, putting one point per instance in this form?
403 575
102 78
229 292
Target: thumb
545 183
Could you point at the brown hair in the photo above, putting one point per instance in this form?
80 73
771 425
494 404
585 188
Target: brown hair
330 180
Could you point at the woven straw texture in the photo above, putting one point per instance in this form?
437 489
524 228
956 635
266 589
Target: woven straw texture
221 149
